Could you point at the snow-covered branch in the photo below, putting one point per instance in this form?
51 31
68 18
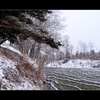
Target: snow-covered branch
30 29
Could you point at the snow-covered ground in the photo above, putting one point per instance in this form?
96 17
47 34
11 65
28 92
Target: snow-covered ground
10 78
77 63
6 44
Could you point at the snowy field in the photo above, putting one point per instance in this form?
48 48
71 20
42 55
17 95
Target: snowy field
77 74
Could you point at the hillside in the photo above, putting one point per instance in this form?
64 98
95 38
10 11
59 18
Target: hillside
18 72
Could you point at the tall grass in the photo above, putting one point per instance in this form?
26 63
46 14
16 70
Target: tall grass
24 69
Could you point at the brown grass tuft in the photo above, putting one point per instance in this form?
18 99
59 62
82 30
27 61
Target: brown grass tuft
12 75
28 71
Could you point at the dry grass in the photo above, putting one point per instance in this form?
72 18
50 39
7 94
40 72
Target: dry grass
28 71
41 71
35 74
12 75
24 70
41 68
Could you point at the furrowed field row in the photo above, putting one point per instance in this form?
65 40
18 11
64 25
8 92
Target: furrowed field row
64 81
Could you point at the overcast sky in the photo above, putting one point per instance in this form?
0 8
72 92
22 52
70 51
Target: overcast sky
82 25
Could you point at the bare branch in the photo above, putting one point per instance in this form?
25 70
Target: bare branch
4 22
5 26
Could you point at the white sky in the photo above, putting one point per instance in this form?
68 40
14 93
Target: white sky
82 25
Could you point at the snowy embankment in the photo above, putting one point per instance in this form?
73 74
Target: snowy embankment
75 64
17 72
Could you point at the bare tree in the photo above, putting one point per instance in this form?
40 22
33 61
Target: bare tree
53 25
71 47
90 46
83 48
66 46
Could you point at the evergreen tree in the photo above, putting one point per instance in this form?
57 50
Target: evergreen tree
14 24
